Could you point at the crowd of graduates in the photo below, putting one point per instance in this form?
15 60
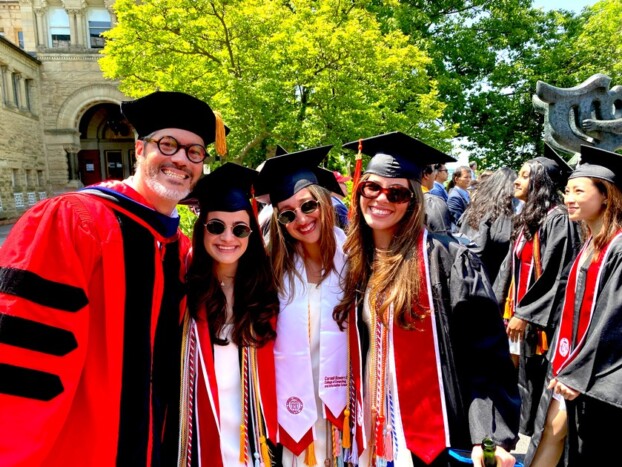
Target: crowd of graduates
402 330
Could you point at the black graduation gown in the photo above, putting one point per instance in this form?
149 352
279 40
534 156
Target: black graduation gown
437 214
595 416
479 380
491 241
559 245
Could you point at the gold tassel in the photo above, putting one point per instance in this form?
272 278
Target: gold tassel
310 455
242 444
221 135
265 452
346 442
543 343
508 310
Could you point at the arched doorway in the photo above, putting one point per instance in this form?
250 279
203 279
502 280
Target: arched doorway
106 145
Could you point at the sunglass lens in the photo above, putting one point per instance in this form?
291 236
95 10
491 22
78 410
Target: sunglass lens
309 206
215 227
241 230
285 217
370 190
398 195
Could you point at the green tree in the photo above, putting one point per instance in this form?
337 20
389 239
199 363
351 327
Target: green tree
298 74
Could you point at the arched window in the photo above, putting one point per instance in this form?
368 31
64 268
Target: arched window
60 37
99 22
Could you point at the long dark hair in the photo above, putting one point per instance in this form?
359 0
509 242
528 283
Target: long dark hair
492 199
396 278
543 195
256 301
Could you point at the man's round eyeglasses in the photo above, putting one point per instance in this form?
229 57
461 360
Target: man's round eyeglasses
169 146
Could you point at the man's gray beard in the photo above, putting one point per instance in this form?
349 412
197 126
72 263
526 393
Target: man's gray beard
152 182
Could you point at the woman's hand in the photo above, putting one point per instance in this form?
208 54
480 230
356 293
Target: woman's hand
504 458
565 391
516 329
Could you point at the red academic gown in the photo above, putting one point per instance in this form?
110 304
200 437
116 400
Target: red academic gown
90 304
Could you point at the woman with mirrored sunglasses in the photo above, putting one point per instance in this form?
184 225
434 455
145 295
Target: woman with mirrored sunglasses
429 360
233 304
310 350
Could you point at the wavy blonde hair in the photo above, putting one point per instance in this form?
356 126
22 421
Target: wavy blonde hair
393 276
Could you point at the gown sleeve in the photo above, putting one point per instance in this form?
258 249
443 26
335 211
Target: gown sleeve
45 266
560 244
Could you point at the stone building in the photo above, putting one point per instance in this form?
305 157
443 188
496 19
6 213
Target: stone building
60 125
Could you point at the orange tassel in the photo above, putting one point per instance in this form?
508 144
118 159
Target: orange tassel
346 442
221 135
265 452
508 310
242 444
310 455
543 343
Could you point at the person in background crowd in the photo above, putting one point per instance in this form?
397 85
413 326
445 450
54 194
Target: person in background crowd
341 210
442 174
473 168
310 350
229 398
459 197
487 221
405 296
585 364
437 217
544 242
91 304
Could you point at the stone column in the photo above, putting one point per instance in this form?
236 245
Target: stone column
3 83
41 27
73 27
72 161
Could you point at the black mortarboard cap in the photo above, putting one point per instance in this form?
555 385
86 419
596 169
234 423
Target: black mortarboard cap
397 155
166 109
598 163
228 189
285 175
556 167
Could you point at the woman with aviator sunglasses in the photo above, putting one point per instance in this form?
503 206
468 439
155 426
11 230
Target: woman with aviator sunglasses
233 304
310 350
430 366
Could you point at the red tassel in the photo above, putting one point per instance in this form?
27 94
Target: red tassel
358 168
380 436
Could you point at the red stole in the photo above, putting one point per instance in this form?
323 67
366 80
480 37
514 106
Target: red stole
564 350
419 381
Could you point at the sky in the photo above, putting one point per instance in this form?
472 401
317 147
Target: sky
572 5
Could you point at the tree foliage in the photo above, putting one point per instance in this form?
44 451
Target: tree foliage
298 74
305 73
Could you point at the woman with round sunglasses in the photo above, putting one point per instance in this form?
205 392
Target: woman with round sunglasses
310 349
229 399
587 351
544 242
429 359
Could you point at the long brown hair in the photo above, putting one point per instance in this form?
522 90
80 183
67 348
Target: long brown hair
255 301
612 217
392 275
284 247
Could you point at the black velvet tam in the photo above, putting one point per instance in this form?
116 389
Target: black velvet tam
164 109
